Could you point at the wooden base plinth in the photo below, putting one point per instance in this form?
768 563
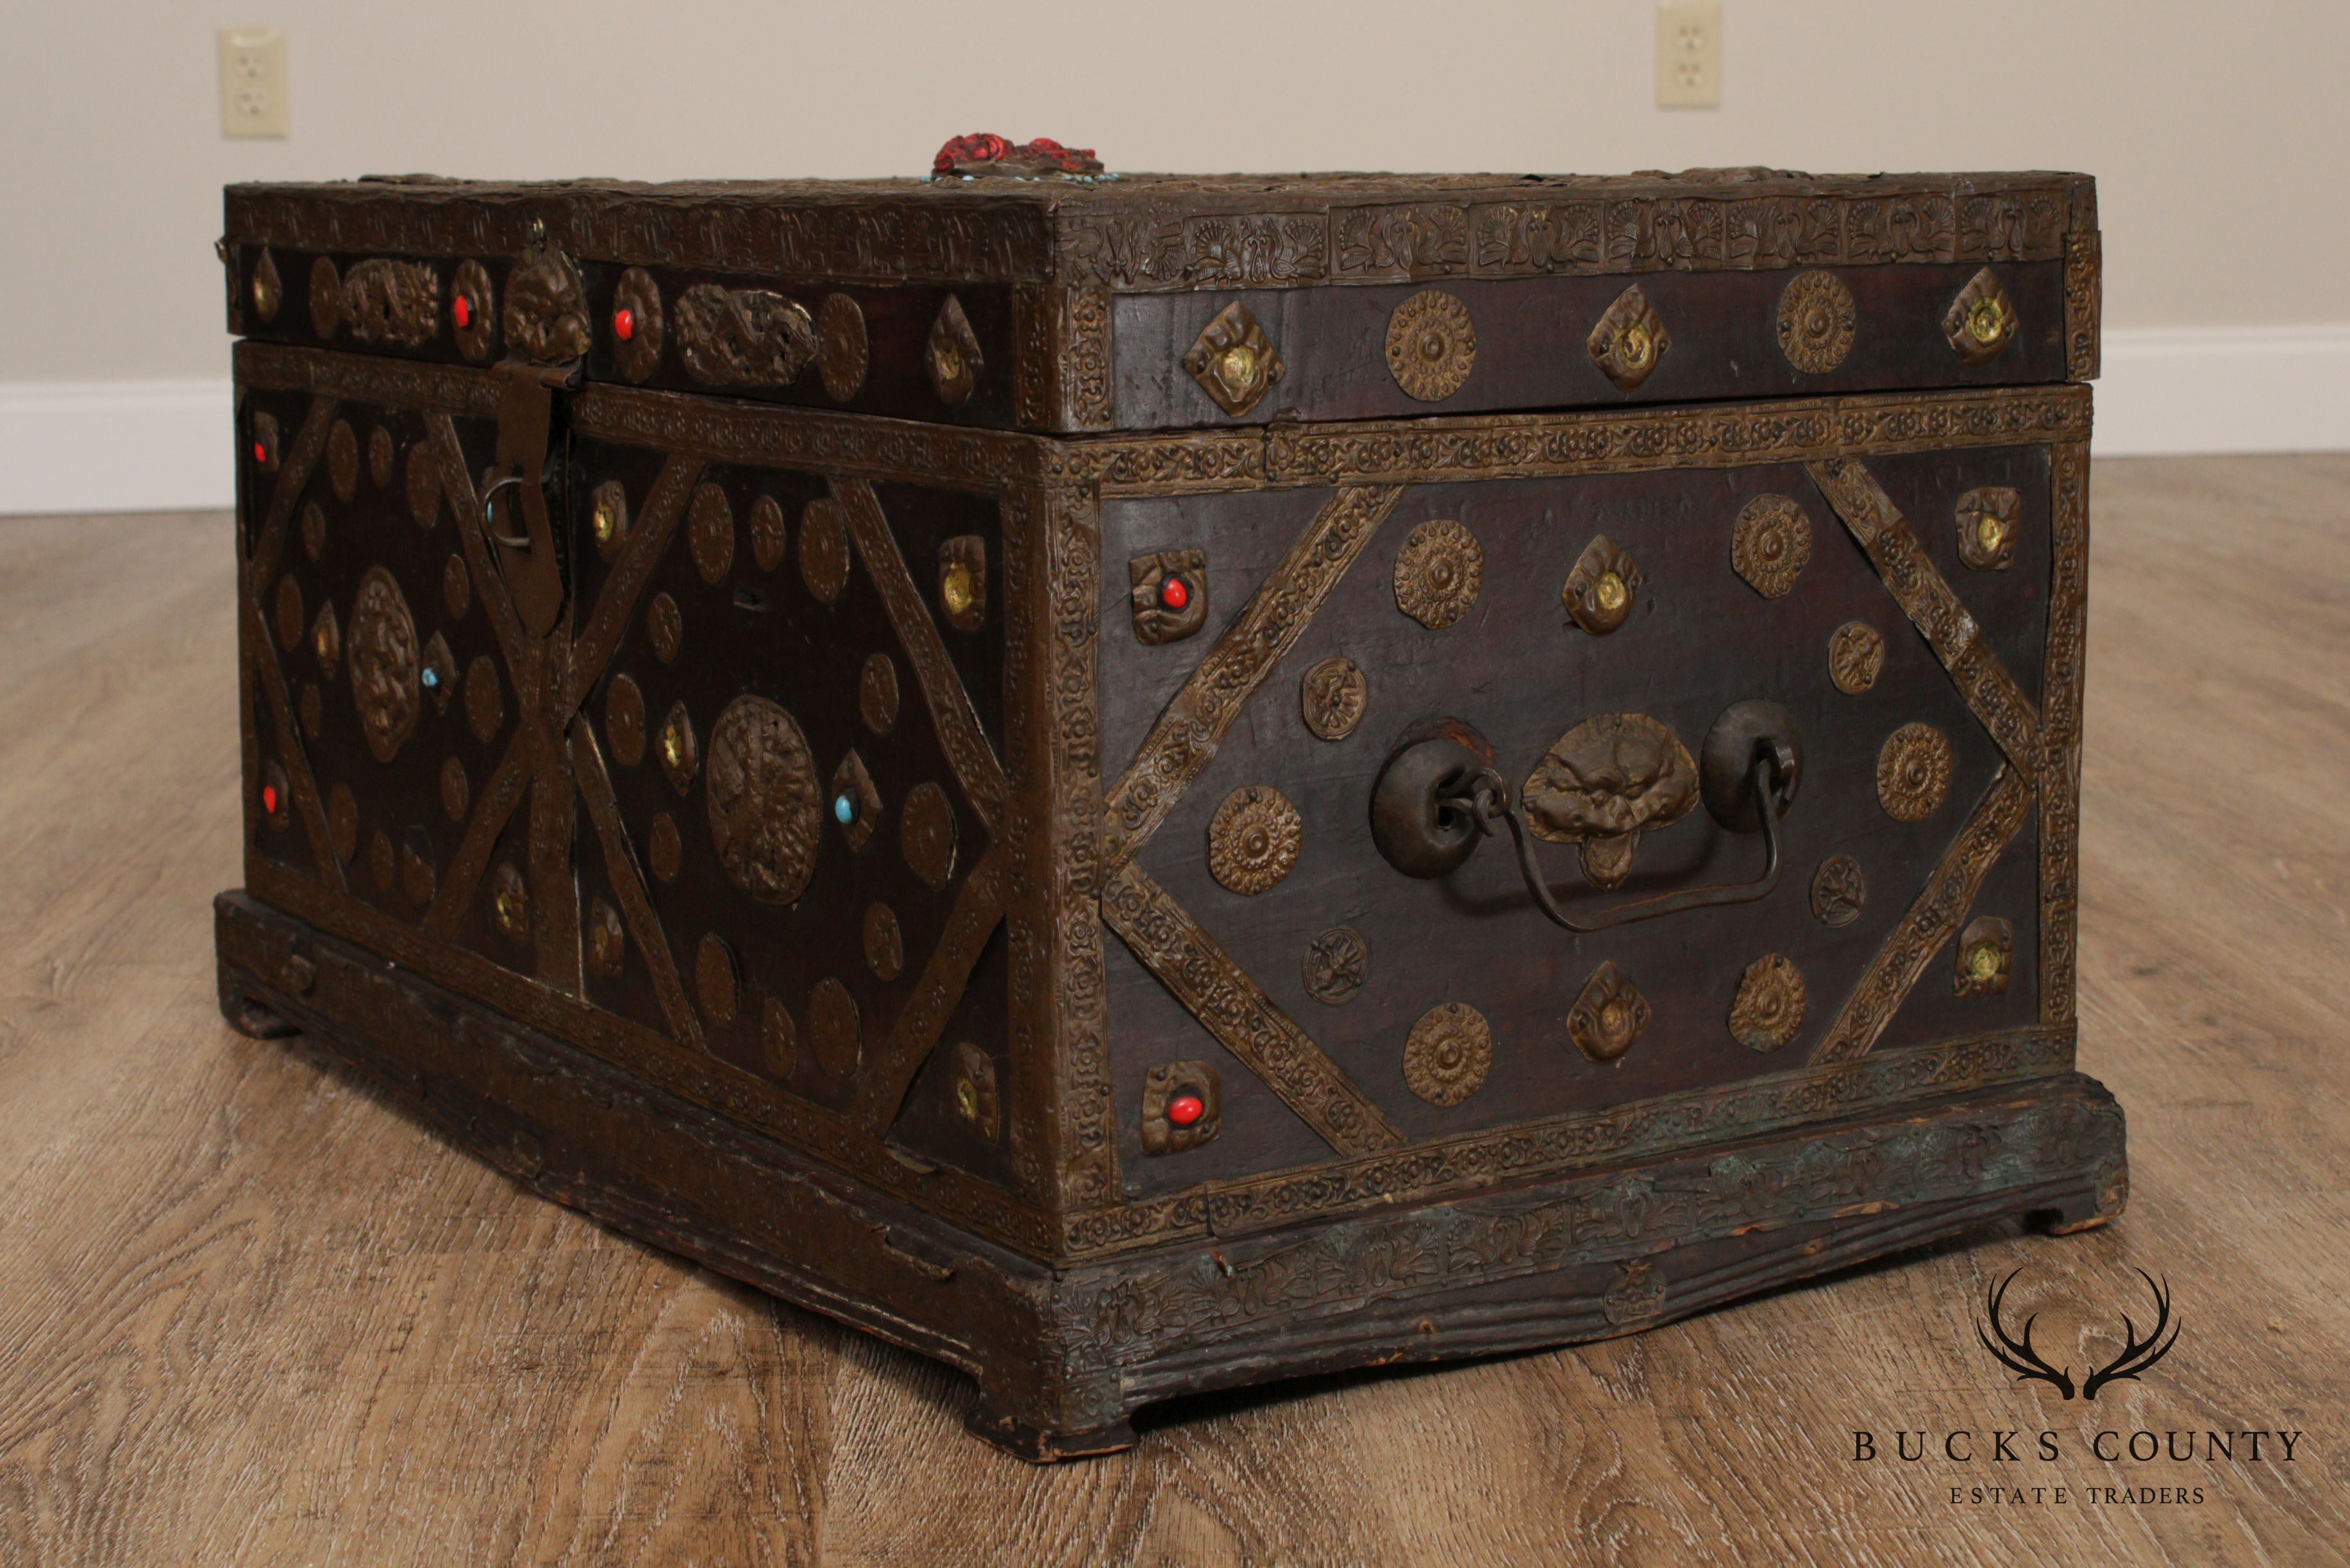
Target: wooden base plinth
1063 1356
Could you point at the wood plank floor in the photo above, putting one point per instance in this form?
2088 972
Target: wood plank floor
250 1315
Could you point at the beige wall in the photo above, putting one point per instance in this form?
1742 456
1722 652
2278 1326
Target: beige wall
2218 133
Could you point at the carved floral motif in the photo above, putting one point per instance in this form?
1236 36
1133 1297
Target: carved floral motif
1432 345
1253 840
1769 1007
1913 773
385 662
1448 1054
765 817
1816 322
1438 573
1771 545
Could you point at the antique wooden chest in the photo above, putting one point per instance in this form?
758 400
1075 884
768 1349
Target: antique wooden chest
1144 785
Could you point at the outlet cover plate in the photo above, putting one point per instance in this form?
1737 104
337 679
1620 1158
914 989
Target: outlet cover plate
253 81
1688 54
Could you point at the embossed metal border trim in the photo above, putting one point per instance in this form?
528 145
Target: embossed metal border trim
1530 446
2060 729
887 1074
1236 1010
1991 694
985 1209
1534 1151
819 441
976 766
1929 922
1186 736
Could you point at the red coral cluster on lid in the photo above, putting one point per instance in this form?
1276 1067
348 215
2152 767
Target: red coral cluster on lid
987 154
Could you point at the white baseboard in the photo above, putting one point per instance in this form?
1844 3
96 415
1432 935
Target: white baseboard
116 446
166 446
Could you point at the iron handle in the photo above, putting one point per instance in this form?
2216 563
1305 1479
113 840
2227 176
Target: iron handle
1438 799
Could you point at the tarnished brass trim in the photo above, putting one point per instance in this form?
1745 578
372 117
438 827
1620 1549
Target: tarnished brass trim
2083 303
1185 739
976 766
2060 729
1990 692
1929 920
889 1072
1237 1012
1470 1162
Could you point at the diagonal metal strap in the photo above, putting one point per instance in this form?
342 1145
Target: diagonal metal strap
1236 1010
493 809
1908 574
976 766
1947 894
1184 739
594 783
298 777
293 473
979 907
608 623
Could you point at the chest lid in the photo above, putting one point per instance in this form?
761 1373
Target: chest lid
1053 301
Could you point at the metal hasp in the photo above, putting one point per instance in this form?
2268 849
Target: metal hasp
1438 797
529 562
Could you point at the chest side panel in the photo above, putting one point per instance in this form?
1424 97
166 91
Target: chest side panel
1449 1005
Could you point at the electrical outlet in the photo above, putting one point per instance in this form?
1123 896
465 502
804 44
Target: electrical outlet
253 81
1689 56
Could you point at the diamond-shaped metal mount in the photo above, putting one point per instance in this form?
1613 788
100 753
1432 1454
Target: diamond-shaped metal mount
1982 321
1608 1014
1629 340
952 357
1233 360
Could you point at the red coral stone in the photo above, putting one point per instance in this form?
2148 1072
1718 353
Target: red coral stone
624 324
269 800
1185 1110
1174 594
260 451
462 309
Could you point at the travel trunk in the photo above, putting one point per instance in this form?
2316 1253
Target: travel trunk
1146 784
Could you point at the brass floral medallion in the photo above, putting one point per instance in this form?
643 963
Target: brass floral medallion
976 1097
951 355
1769 1007
834 1030
1602 587
326 299
327 640
1253 840
1816 322
665 627
510 902
1986 521
268 291
382 458
841 355
1913 773
1233 361
1432 345
769 542
1448 1054
1771 545
1333 696
877 693
765 817
624 721
1838 891
1629 340
927 834
343 460
384 661
1336 964
1985 959
1438 573
779 1038
714 979
710 533
885 945
1604 782
824 549
665 847
1855 657
1982 321
423 487
456 587
1608 1014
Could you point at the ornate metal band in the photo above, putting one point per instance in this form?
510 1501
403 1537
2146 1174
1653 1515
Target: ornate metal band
1991 693
1184 739
1221 994
2060 728
1929 922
